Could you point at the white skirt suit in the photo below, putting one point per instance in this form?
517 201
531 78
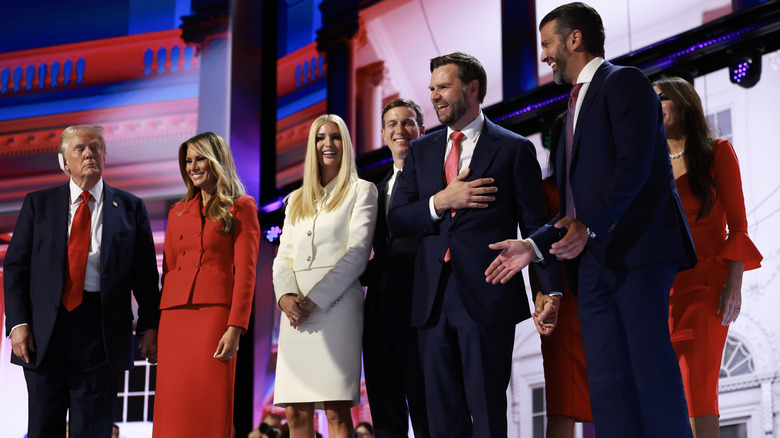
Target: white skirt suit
322 257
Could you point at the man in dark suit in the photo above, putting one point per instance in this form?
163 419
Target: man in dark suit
624 224
69 271
391 360
467 325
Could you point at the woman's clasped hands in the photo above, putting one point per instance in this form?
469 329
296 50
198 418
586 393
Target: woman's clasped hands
296 308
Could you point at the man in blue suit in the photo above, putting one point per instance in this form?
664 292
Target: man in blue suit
75 342
391 358
623 223
459 203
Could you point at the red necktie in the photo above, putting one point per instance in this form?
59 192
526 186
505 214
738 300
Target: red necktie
571 211
451 170
78 249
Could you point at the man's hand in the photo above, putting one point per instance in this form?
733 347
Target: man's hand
148 345
461 194
228 344
22 343
515 255
546 313
573 242
296 309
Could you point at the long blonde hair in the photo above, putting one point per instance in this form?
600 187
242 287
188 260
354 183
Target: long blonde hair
303 202
228 187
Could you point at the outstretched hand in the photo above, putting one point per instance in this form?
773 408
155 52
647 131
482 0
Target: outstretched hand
515 255
464 194
572 244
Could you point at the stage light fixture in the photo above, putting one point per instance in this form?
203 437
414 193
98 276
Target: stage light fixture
745 68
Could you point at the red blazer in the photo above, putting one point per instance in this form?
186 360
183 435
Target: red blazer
202 266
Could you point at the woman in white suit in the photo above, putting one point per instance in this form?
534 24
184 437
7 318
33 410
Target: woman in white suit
324 247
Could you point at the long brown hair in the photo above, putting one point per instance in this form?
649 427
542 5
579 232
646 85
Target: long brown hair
699 139
228 187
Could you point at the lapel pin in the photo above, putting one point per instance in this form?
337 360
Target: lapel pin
114 204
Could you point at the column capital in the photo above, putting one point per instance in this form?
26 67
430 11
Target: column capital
340 21
371 75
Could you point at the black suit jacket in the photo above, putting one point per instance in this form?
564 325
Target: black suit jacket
511 160
35 263
389 273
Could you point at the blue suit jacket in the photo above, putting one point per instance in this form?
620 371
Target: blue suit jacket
621 176
35 263
511 160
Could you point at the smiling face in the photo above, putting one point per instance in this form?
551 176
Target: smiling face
400 128
555 53
673 118
449 96
199 171
330 148
84 158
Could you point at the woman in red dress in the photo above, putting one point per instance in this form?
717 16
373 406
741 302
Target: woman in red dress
707 299
209 267
565 374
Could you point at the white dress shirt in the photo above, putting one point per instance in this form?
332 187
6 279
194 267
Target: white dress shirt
390 185
467 145
92 277
585 77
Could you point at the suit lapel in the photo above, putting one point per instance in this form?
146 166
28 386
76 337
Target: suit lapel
590 97
484 153
430 168
61 223
110 215
383 200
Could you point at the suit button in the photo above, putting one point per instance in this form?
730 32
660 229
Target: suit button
451 233
441 260
182 252
308 233
179 268
308 259
180 237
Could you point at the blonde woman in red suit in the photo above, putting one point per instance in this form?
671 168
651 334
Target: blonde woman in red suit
211 245
325 244
707 299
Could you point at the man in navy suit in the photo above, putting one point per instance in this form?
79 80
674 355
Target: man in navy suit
73 359
391 360
466 325
623 222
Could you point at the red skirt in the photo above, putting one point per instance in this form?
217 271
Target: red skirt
194 395
697 335
566 378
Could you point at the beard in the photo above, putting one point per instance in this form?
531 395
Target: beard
458 109
561 60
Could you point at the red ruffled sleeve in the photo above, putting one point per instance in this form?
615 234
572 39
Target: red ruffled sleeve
738 246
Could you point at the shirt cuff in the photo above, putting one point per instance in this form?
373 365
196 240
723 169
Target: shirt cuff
539 257
14 328
434 217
